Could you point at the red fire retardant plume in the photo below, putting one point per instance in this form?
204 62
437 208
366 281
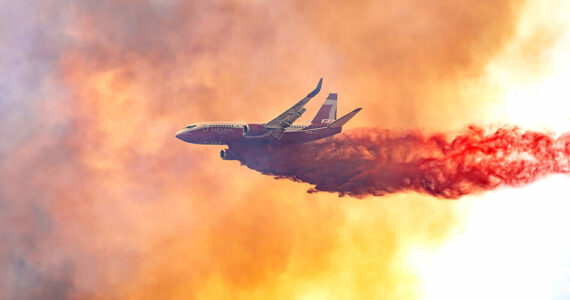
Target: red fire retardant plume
376 162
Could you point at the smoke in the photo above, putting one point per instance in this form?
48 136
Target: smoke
378 162
98 200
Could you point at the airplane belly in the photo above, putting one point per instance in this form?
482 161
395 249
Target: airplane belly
216 136
305 136
226 135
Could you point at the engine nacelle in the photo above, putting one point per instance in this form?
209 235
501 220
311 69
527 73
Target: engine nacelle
226 154
254 130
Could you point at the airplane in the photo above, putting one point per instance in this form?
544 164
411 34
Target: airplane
278 131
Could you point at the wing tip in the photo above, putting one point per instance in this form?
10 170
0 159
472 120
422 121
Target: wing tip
317 89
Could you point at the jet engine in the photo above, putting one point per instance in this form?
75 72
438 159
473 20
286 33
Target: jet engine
226 154
253 130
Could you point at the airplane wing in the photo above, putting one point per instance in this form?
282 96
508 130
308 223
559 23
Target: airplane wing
287 118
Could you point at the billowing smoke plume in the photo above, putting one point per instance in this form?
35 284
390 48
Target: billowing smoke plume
376 162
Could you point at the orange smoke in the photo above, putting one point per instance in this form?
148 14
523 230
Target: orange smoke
100 201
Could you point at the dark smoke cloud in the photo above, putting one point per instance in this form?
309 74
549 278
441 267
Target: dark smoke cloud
32 150
378 162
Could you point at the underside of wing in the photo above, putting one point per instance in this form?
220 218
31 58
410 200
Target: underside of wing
287 118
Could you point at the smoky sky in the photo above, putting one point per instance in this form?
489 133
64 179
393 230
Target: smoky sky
98 200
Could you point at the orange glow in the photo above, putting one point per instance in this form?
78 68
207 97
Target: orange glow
512 243
134 213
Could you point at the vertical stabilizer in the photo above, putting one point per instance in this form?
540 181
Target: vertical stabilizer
327 113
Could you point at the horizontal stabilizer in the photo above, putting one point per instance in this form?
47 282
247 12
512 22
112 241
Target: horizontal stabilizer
340 122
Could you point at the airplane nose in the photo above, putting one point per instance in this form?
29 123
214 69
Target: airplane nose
180 134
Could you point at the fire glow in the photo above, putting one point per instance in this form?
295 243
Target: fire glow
99 201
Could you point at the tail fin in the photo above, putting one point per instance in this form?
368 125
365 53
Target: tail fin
327 113
340 122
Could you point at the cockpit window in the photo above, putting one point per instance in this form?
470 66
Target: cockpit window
190 126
